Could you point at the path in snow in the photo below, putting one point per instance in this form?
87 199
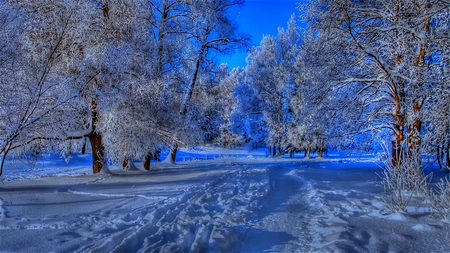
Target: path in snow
191 210
281 225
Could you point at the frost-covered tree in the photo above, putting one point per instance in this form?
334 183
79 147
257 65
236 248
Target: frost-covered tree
72 54
247 119
212 32
384 51
227 105
42 83
271 71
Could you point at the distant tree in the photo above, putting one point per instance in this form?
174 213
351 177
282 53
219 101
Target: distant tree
212 32
227 105
271 72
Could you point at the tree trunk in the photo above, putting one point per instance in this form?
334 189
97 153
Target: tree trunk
161 35
4 158
147 161
192 84
447 160
156 155
83 148
173 152
413 138
320 151
308 151
291 154
397 145
279 148
125 163
399 118
98 152
439 156
270 151
274 150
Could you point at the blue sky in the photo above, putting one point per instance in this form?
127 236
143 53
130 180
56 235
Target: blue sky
259 17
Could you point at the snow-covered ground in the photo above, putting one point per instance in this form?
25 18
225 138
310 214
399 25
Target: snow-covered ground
238 202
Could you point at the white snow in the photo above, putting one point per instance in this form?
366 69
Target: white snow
230 204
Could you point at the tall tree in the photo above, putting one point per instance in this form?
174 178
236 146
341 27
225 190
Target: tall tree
73 54
271 70
212 31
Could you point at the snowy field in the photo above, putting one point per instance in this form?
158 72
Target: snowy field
211 200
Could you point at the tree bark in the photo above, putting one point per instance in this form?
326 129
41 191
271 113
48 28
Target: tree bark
173 152
279 148
447 160
98 152
274 150
147 161
125 163
397 145
291 154
413 138
161 35
192 84
83 148
438 155
399 119
320 152
4 158
308 151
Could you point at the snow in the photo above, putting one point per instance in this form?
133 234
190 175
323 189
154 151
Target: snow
230 204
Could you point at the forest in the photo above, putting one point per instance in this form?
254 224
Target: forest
130 77
125 80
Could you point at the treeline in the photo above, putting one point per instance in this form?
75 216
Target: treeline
131 77
360 74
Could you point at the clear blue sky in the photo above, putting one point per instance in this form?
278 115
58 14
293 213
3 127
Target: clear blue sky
259 17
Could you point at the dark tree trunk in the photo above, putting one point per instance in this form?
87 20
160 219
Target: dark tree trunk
270 151
174 152
125 163
413 138
147 161
439 156
156 155
274 150
291 154
320 152
4 158
98 152
308 151
397 145
447 160
192 84
280 149
83 148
